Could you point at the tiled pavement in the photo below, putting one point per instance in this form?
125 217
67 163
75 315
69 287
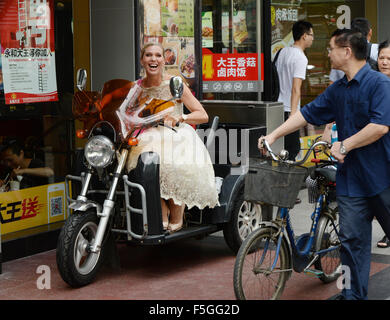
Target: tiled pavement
186 270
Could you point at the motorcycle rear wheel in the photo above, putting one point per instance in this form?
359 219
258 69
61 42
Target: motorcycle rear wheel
77 266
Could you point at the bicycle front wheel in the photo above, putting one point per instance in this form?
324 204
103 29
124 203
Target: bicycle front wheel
255 278
327 238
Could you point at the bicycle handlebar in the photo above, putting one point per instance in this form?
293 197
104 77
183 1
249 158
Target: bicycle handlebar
290 162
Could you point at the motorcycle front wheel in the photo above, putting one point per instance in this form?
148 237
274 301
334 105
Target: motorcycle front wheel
76 264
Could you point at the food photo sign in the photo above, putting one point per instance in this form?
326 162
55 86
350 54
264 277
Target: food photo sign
27 51
171 23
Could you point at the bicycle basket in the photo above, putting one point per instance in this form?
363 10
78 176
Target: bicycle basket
277 185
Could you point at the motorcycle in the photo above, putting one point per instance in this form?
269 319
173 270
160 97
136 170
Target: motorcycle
114 206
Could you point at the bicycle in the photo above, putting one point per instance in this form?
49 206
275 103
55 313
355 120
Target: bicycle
268 256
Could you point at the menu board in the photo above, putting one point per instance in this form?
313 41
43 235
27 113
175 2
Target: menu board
171 23
27 51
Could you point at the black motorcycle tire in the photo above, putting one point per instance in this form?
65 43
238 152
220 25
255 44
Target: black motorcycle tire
231 230
66 249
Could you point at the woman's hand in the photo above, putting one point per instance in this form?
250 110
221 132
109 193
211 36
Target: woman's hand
171 121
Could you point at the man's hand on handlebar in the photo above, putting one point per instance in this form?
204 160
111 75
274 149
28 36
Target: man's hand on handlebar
263 149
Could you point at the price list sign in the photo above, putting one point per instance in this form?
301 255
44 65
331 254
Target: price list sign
27 51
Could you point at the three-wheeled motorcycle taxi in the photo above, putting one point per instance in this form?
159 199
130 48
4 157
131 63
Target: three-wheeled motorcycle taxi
109 205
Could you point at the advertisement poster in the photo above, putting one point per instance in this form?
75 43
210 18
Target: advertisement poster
207 29
177 18
32 207
171 23
230 72
240 31
28 51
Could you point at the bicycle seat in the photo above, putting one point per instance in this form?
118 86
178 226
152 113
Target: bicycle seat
328 172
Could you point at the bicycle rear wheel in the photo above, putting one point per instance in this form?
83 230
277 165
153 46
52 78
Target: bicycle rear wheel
329 262
253 278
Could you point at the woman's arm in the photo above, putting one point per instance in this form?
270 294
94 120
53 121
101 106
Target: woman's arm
197 113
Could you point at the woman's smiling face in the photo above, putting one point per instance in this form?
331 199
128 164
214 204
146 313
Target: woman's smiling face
153 60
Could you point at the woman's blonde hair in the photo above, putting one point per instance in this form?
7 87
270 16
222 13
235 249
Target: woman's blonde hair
151 44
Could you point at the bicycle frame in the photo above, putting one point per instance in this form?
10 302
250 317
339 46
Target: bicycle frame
301 257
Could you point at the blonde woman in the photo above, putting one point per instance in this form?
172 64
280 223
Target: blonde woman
186 171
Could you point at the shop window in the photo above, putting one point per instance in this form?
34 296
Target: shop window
326 16
38 31
230 51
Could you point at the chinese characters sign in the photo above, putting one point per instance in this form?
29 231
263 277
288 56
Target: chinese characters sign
27 50
238 72
286 14
32 207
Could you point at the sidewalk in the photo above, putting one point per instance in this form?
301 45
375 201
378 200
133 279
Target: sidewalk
187 270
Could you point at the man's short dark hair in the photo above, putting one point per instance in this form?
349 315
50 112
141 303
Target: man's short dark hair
361 25
300 28
353 39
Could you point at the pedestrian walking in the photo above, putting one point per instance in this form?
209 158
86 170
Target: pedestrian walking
291 65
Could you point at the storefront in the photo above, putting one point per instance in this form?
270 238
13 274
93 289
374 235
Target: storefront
36 89
222 48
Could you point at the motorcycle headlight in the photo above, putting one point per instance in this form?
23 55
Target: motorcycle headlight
99 151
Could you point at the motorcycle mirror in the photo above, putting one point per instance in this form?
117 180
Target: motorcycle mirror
176 86
81 79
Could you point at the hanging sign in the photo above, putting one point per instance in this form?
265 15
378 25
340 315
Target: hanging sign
27 51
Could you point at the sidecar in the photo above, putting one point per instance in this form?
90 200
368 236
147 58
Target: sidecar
110 205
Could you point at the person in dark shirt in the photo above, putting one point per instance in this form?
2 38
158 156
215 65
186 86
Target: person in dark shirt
359 103
33 171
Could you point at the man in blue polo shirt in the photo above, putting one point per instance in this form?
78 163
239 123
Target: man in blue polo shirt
359 103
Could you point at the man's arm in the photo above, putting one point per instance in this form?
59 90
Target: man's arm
45 172
293 123
369 134
295 94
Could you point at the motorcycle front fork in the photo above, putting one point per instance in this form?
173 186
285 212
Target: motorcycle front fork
109 204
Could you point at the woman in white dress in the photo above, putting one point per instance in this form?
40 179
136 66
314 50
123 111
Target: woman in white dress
186 171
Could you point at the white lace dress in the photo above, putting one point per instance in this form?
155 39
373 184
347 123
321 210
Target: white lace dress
186 171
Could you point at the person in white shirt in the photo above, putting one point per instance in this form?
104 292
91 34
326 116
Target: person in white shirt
362 25
291 65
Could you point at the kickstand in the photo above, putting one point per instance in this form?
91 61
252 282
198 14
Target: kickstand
111 254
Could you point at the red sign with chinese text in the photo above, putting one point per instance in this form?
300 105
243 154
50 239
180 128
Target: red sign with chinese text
229 66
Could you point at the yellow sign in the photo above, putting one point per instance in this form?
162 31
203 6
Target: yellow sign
32 207
306 143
